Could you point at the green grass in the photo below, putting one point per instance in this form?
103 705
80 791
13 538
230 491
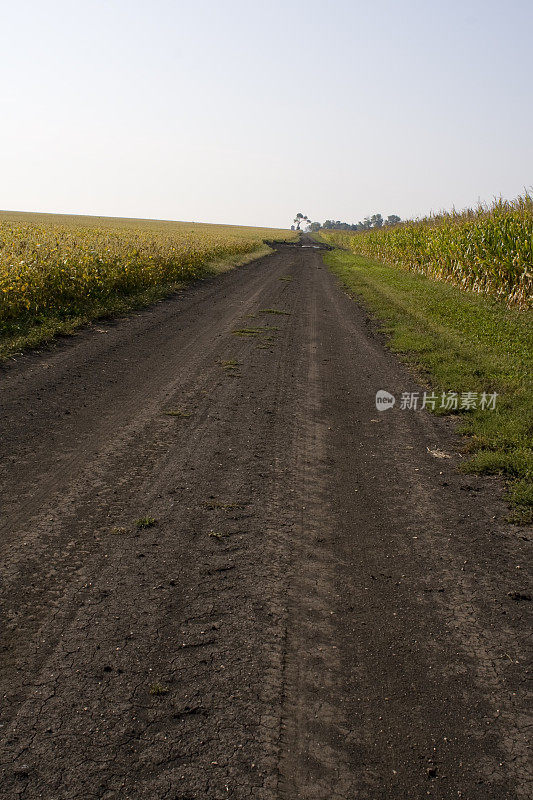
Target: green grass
177 412
217 535
158 689
459 341
231 368
145 522
255 331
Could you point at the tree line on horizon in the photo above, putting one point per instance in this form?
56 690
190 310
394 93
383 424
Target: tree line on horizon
369 223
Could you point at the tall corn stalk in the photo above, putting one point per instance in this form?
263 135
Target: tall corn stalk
487 249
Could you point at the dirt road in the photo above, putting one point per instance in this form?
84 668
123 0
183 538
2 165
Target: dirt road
322 608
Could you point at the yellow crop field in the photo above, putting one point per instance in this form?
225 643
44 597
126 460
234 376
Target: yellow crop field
59 266
55 263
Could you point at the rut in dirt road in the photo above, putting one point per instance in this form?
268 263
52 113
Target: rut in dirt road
315 607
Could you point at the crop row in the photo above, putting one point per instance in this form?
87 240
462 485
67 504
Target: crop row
487 250
51 267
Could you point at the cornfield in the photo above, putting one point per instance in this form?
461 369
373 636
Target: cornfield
60 265
487 249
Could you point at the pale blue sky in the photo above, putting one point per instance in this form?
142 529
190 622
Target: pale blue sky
246 112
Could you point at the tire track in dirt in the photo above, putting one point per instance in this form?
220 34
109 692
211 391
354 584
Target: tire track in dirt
314 763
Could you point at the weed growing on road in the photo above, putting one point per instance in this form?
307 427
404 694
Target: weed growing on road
158 689
177 412
246 332
145 522
217 535
254 331
231 365
274 311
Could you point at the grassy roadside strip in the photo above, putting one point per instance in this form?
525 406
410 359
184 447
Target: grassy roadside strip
36 331
458 341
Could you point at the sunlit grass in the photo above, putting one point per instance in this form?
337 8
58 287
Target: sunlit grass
459 341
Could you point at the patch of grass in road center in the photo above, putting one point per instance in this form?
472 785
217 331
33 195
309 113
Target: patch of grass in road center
286 278
230 365
177 412
217 535
267 343
274 311
460 341
254 331
246 332
158 689
145 522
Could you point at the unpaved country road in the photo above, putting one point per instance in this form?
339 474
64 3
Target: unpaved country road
321 611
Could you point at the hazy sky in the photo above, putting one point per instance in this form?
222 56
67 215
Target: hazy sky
246 112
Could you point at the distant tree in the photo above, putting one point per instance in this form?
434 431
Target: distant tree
375 221
299 218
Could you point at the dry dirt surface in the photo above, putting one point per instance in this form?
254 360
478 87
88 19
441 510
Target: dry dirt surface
323 609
